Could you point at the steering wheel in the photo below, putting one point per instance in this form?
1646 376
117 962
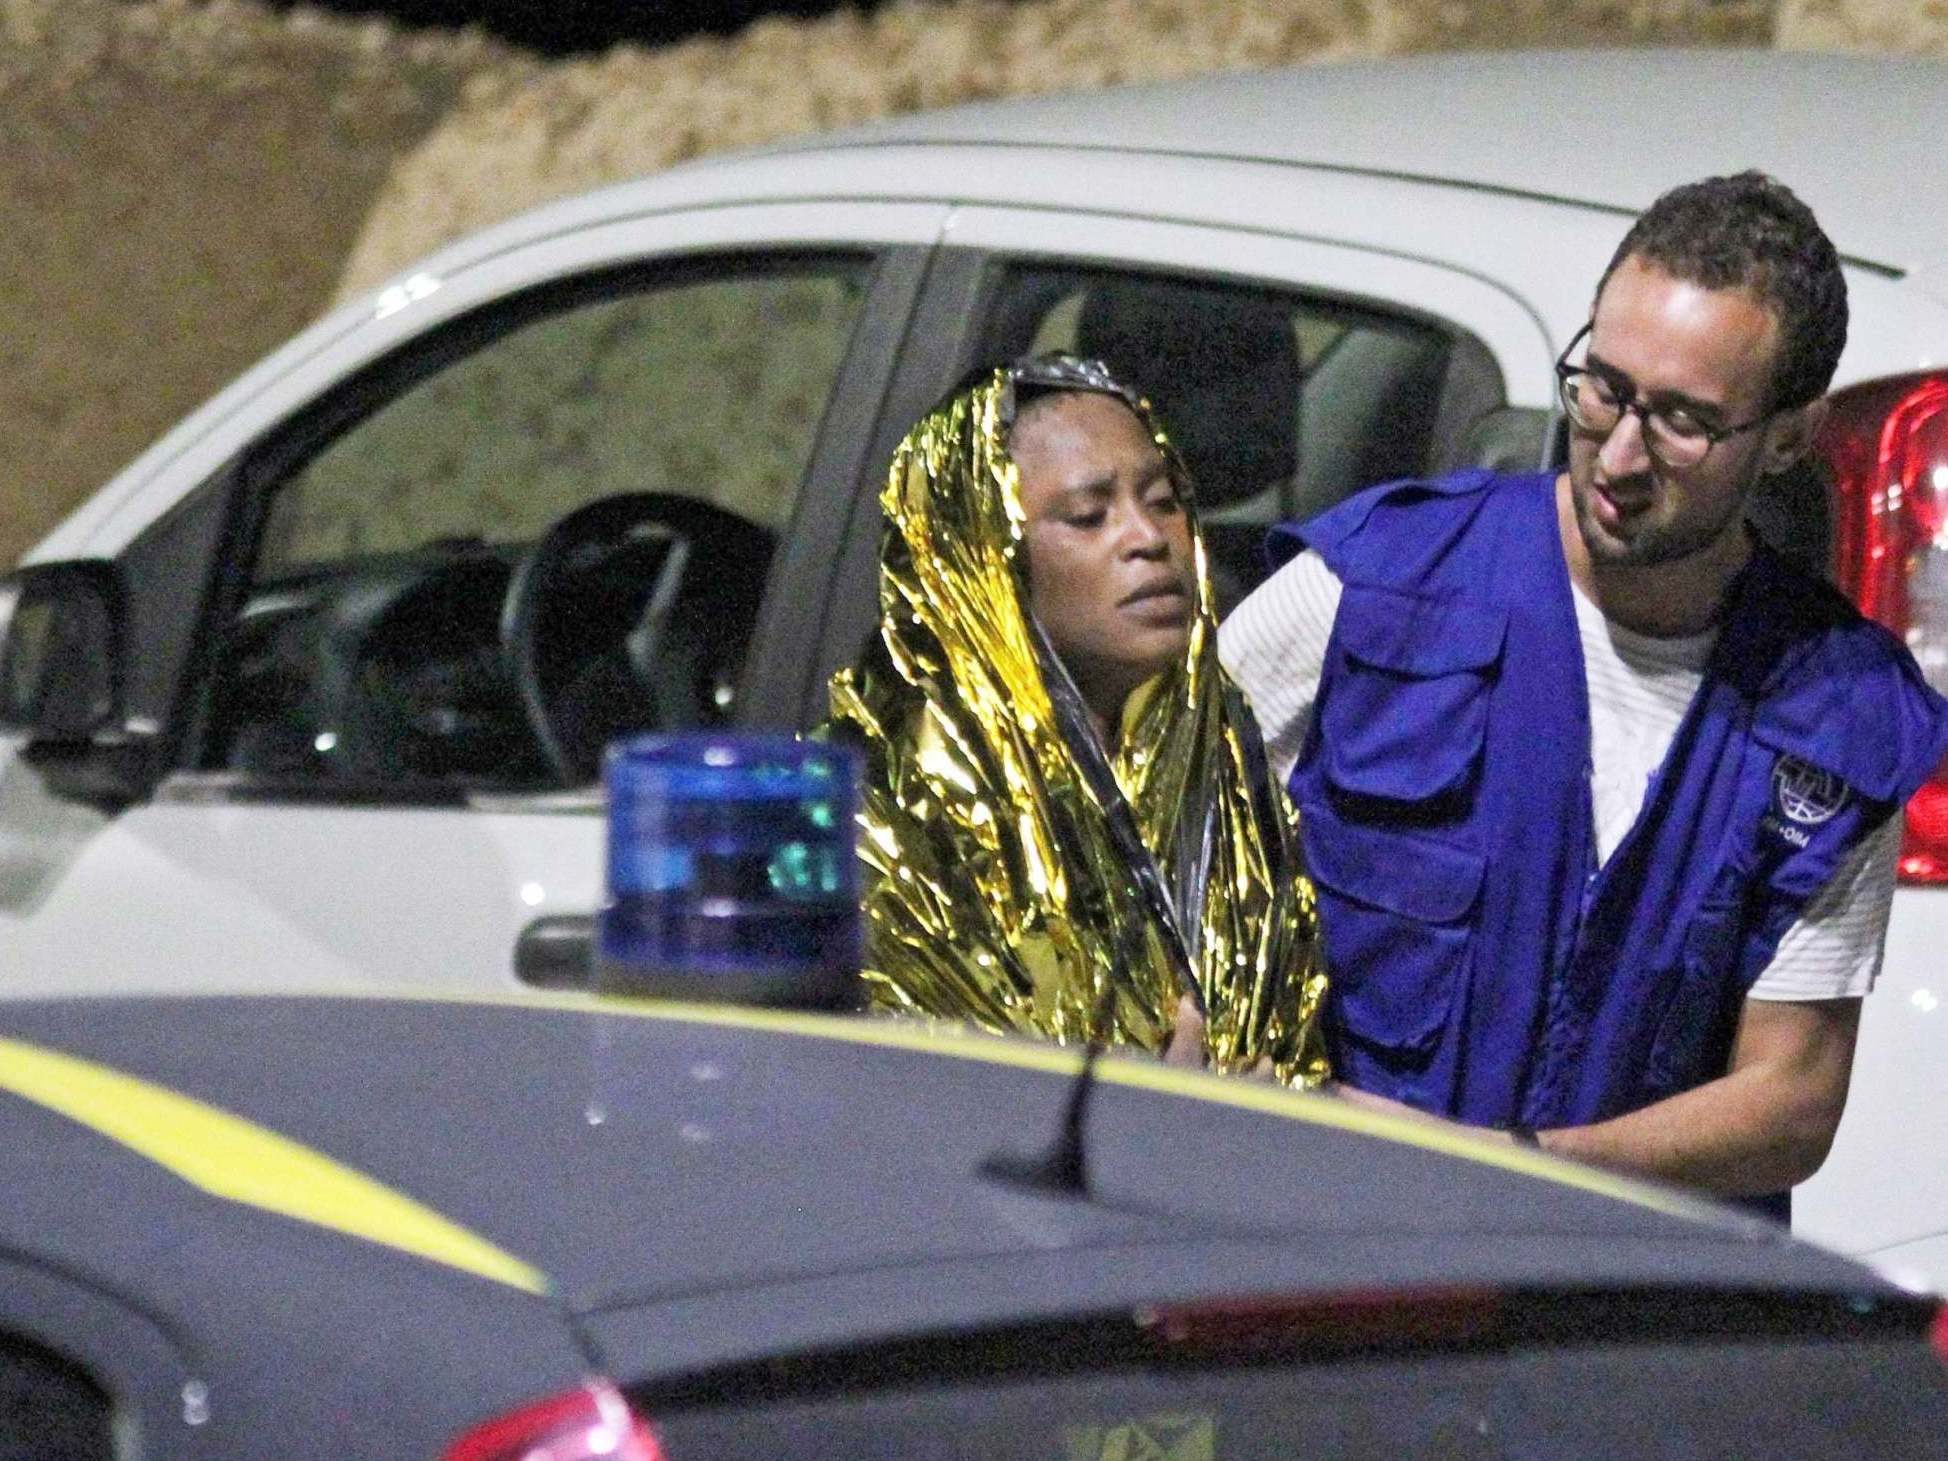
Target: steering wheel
406 680
586 675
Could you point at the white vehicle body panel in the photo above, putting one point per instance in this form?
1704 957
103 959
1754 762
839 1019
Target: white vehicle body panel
1856 136
235 896
1883 1191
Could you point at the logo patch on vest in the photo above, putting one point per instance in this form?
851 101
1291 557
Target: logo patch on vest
1804 796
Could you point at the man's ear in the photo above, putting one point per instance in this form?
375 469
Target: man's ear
1791 434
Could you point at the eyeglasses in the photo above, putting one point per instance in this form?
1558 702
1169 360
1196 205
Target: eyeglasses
1672 434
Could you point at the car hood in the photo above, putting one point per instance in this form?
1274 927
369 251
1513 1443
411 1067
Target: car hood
729 1163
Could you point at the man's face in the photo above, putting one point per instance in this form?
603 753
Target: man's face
1668 343
1109 546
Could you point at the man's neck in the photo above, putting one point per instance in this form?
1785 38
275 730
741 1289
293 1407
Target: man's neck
1663 600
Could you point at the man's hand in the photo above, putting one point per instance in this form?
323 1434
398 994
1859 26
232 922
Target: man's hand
1763 1126
1354 1096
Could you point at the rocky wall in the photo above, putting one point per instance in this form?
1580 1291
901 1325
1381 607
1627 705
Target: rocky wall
180 186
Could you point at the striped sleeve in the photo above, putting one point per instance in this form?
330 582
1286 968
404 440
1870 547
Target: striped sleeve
1274 646
1834 950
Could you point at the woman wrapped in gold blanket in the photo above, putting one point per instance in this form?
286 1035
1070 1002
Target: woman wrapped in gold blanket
1068 826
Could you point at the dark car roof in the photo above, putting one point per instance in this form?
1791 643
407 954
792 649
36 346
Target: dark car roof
669 1155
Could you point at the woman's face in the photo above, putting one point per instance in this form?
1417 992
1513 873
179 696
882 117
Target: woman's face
1109 546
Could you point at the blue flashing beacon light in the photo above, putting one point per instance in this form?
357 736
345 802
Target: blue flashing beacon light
732 871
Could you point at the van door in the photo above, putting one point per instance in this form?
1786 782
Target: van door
596 502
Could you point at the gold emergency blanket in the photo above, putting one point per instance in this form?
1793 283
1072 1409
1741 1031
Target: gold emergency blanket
997 892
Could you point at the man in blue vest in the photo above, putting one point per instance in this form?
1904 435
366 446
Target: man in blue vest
1601 795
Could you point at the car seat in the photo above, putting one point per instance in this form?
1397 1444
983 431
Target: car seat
1222 368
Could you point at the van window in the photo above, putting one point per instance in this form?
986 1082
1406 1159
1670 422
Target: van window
544 527
1281 402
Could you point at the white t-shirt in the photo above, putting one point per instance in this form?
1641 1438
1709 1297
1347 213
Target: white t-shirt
1274 645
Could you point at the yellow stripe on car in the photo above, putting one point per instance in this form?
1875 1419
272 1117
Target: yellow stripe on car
240 1161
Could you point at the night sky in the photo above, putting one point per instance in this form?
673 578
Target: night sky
570 27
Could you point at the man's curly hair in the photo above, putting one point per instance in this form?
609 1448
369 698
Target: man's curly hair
1750 232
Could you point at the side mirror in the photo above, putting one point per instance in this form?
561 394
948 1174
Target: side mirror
63 657
62 634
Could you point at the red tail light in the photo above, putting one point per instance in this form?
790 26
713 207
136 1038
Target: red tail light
1941 1332
1887 446
1348 1319
590 1423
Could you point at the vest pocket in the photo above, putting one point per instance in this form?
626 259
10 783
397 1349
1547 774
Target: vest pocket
1396 912
1700 998
1407 714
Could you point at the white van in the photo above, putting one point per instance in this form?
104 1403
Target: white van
312 693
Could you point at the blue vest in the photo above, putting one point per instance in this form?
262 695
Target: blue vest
1483 966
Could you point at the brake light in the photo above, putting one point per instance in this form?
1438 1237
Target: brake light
590 1423
1940 1332
1349 1319
1886 445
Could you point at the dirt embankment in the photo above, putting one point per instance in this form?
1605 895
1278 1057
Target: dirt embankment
183 183
179 188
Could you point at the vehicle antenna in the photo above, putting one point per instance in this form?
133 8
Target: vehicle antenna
1061 1169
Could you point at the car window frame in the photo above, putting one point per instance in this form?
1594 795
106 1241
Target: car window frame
962 285
247 484
940 332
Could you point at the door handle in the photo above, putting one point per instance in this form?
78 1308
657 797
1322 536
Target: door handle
556 951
